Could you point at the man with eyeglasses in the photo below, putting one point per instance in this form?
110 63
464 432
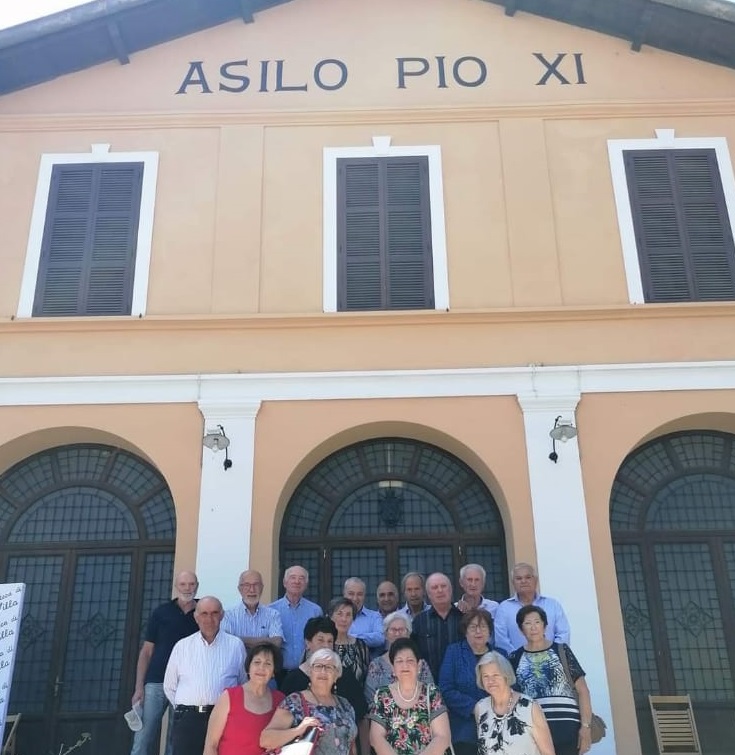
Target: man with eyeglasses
249 620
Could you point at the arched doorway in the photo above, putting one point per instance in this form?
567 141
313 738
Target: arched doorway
90 529
672 518
381 508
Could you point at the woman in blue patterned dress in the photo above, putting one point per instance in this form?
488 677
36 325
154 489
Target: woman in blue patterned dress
508 723
540 674
319 707
408 717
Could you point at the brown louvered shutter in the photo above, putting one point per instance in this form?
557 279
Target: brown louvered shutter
682 229
89 242
384 234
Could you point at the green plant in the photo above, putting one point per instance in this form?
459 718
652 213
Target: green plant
83 739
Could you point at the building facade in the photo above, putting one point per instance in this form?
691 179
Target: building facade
384 249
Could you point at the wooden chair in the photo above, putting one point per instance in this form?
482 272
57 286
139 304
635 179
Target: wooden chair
674 724
11 732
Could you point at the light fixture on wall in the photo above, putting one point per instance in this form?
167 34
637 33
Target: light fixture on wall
562 431
216 440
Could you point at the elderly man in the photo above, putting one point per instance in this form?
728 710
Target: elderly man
169 623
249 620
387 595
412 587
368 624
472 581
507 634
200 668
295 610
435 629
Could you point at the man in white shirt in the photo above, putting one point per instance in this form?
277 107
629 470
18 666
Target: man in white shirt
200 668
368 624
472 581
249 620
508 636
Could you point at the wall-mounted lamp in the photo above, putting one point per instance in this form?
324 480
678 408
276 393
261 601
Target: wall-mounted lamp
562 431
216 440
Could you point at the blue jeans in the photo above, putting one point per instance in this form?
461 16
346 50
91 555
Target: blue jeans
146 741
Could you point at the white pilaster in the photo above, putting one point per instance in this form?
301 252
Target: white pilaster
562 539
226 500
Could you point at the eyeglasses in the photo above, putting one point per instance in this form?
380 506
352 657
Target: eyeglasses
481 627
250 585
324 667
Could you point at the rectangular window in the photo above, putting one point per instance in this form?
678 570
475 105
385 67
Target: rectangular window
384 235
683 232
90 236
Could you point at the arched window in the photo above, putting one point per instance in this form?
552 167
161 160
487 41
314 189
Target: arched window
381 508
90 529
672 518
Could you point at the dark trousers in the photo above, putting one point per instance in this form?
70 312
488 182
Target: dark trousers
190 731
465 748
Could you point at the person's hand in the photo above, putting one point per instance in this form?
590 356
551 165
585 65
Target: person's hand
308 722
137 697
584 741
463 605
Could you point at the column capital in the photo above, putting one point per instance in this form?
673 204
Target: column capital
562 403
223 410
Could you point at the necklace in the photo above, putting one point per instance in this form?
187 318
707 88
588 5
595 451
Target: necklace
413 695
318 701
507 707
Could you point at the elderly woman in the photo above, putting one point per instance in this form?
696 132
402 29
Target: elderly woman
380 671
353 652
508 722
318 706
241 713
549 673
458 680
408 717
320 632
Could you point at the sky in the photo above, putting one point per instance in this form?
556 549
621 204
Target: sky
17 11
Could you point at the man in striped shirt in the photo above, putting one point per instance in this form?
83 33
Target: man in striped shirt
249 620
200 668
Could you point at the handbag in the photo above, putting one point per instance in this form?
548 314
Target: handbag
597 725
303 745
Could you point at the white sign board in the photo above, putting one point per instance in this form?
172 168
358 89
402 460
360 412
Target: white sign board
11 611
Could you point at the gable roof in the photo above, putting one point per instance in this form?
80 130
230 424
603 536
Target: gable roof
105 30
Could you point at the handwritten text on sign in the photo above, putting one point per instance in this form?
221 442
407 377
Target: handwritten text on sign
11 610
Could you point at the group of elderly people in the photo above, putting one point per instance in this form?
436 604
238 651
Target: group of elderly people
534 702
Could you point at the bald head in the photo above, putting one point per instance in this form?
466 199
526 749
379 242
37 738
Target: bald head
208 616
439 591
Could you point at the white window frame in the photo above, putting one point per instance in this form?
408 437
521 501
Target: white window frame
665 139
381 148
99 154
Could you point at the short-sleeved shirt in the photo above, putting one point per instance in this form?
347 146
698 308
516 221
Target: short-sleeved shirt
540 675
265 622
166 626
407 730
337 722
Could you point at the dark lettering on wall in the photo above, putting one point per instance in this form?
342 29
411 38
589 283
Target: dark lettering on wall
403 71
552 69
195 70
318 74
481 75
280 86
226 72
442 73
264 75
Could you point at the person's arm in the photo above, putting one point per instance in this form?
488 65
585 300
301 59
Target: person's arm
378 739
141 669
441 736
540 731
216 725
562 631
171 677
456 700
371 681
372 634
585 713
280 730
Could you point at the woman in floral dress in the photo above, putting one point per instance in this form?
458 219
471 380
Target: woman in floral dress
408 717
508 723
317 707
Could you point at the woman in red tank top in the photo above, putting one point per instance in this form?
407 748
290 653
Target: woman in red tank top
241 713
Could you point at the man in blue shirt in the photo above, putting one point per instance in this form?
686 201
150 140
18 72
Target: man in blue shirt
249 620
368 624
295 610
168 624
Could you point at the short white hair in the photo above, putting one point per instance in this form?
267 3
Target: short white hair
397 616
325 655
472 567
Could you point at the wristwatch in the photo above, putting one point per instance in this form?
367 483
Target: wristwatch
585 726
